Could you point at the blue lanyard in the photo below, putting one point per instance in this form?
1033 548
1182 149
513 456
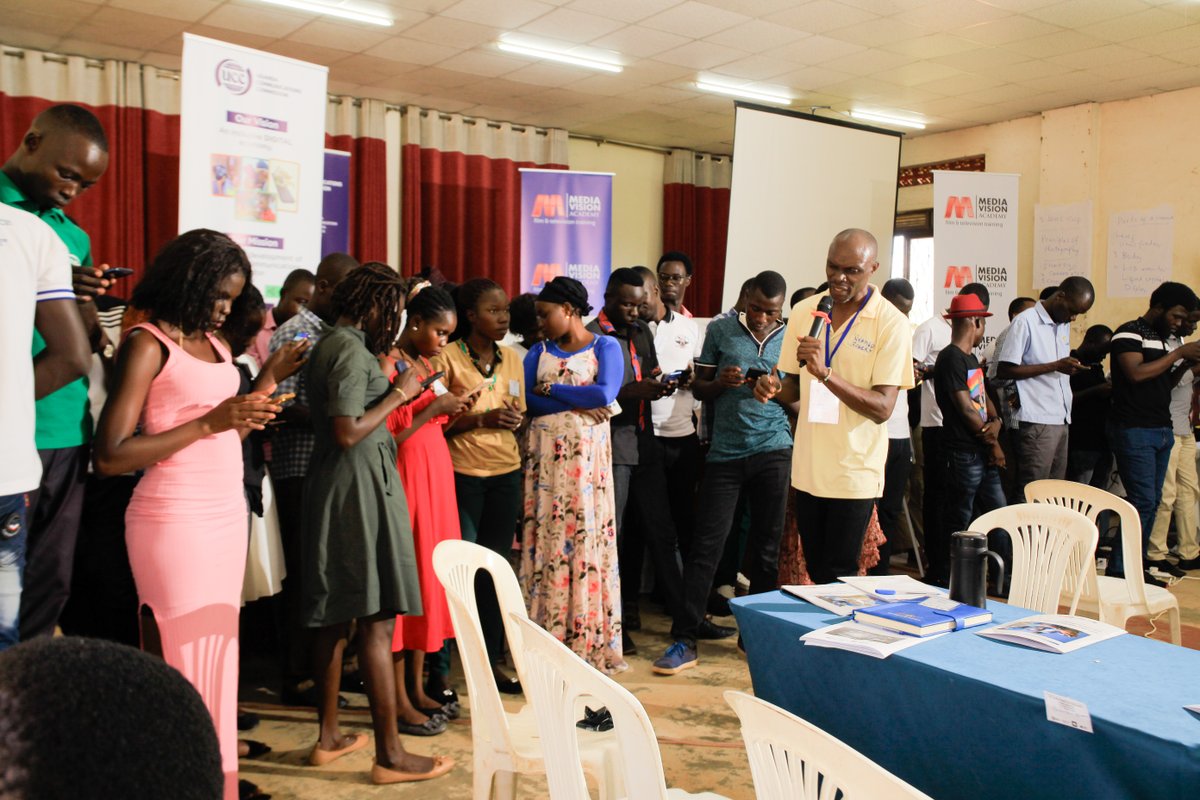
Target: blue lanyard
828 355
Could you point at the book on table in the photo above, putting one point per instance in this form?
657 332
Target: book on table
838 598
1056 633
925 618
893 588
858 637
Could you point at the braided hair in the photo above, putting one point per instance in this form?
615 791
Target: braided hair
373 287
466 297
430 303
182 284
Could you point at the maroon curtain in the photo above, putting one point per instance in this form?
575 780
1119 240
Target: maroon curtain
368 194
696 222
461 214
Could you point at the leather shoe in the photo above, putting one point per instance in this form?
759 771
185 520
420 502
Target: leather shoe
508 685
628 647
711 630
430 727
246 720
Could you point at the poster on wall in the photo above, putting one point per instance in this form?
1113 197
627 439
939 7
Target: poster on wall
251 154
335 208
566 229
1141 247
1062 243
975 241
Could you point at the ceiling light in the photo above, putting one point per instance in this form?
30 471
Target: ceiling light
563 56
749 94
887 119
334 9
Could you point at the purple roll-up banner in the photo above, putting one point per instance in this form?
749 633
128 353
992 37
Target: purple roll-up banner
335 206
566 229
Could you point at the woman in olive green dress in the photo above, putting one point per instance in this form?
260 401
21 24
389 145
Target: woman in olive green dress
357 549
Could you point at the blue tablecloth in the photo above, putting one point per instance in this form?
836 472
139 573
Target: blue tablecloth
963 716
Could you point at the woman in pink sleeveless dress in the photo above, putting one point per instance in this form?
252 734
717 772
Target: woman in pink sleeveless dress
186 523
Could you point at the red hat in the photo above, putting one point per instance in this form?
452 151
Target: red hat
963 306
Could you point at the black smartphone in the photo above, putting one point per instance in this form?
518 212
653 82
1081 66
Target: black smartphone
673 376
754 373
425 384
116 272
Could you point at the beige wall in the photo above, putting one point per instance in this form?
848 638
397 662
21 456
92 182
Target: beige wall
637 197
1126 155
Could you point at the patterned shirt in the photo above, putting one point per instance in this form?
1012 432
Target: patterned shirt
292 446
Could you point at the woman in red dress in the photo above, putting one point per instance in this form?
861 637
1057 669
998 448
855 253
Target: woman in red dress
427 474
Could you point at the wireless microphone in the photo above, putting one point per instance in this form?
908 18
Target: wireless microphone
820 315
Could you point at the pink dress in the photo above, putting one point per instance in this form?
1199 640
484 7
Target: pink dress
428 478
186 532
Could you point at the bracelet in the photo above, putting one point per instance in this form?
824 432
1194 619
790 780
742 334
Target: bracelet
828 375
403 394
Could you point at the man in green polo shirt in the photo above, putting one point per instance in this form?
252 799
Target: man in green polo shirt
62 155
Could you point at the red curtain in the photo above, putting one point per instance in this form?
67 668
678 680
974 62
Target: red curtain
696 222
461 214
368 194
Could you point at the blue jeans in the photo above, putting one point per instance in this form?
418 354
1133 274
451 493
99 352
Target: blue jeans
1142 456
12 566
971 483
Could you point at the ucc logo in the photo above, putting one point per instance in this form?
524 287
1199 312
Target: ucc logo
549 205
544 273
957 277
960 207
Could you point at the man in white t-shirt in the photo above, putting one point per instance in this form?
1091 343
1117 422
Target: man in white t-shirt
37 283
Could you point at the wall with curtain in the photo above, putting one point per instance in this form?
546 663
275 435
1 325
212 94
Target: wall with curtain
696 221
637 197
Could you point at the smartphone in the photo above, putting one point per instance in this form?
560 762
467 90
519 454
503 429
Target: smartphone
425 384
301 336
754 373
116 272
676 376
280 399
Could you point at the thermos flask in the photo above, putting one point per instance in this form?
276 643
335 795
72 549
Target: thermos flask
968 568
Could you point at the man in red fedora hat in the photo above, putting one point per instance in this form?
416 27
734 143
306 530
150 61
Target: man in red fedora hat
970 424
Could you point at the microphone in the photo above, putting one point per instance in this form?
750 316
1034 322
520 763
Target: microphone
820 315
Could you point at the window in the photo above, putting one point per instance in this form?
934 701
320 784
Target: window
912 258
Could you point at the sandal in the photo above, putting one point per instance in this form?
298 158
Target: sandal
254 749
383 775
319 757
598 720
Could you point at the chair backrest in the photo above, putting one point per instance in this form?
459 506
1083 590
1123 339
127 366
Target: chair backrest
1090 501
791 758
456 563
1044 537
555 680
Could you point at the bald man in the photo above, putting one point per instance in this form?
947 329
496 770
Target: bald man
846 380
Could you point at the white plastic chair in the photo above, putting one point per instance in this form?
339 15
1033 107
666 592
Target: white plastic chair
504 744
557 680
1112 600
1046 541
792 758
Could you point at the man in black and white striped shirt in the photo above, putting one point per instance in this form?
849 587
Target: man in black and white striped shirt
1139 428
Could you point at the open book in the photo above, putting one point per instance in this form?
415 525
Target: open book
838 598
892 588
1057 633
859 638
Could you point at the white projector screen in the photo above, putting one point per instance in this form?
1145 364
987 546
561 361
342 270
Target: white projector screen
797 181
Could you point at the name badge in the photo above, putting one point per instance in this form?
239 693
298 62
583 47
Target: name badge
823 406
514 388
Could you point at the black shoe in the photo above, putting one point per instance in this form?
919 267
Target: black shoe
598 720
1150 580
248 791
711 630
254 749
1166 567
1189 564
628 648
718 605
292 696
246 721
508 685
431 727
352 682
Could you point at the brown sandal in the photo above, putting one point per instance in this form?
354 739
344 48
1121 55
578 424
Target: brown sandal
319 757
383 775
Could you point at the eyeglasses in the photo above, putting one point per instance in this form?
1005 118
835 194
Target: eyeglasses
665 278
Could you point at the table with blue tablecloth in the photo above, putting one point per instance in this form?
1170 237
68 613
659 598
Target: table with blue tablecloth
963 716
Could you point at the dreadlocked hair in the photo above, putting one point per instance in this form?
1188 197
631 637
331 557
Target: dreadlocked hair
182 284
373 287
430 303
466 297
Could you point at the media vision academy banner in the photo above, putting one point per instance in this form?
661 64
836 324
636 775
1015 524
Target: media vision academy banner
975 240
566 229
251 154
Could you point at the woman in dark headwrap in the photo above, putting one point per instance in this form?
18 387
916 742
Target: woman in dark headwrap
569 540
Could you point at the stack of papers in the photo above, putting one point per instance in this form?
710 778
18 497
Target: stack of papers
860 638
1057 633
838 598
893 588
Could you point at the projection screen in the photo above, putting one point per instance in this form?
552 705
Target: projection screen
798 180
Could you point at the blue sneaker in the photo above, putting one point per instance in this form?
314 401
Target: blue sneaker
679 656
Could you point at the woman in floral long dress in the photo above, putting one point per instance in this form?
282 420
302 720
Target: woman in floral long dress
569 541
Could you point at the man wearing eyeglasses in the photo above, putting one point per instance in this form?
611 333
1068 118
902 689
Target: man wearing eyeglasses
674 277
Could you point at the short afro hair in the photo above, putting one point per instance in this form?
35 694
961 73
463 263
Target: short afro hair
1170 294
675 255
70 118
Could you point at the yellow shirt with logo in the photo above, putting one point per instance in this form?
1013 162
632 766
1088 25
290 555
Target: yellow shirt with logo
484 452
846 460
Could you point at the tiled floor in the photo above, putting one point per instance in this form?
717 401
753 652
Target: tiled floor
698 734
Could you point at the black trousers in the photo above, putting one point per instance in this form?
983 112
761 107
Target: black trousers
55 510
763 480
895 482
681 461
831 532
293 637
104 598
488 510
647 525
937 544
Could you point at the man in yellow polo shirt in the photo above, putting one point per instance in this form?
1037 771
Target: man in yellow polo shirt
846 380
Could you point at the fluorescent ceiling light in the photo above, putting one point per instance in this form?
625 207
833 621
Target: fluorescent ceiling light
749 94
334 9
563 56
887 119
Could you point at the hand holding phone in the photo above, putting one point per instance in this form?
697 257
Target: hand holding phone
113 273
429 381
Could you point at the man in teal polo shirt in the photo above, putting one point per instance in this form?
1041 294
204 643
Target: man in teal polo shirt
62 155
